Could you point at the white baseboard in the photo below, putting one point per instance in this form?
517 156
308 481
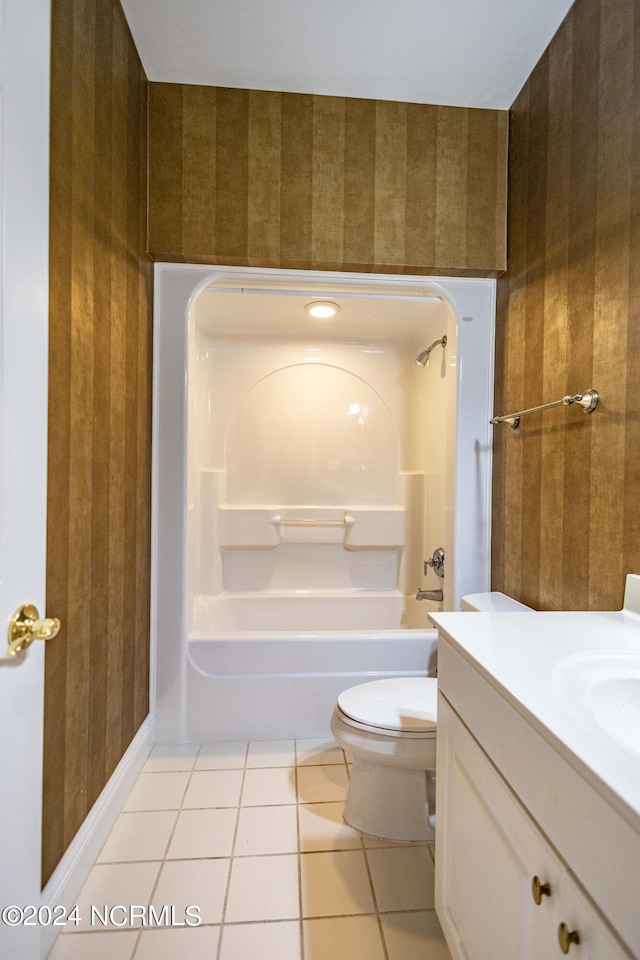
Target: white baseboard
69 876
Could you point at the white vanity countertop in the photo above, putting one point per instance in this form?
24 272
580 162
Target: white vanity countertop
543 663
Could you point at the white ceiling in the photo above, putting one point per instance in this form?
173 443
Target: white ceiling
473 53
403 320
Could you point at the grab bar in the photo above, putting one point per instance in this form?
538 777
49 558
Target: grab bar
279 521
332 528
587 400
348 521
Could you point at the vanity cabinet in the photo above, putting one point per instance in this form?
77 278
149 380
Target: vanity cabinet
502 890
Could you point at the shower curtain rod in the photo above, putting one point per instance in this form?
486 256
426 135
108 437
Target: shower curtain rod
587 400
342 295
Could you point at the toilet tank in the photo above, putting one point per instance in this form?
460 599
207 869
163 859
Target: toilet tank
493 603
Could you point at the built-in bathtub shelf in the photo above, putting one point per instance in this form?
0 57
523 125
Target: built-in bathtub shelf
356 528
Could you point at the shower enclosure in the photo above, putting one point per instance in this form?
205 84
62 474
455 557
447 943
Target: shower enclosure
305 469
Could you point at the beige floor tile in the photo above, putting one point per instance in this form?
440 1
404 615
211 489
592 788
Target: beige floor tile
265 830
157 791
335 884
172 757
185 943
317 784
414 936
263 888
214 788
222 756
271 753
203 833
267 787
139 836
196 812
111 884
95 946
371 842
314 752
261 941
199 883
322 828
402 877
343 938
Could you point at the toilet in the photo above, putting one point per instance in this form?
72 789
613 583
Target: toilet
389 728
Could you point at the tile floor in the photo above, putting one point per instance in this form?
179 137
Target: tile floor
253 835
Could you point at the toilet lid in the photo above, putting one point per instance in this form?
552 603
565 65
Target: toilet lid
406 703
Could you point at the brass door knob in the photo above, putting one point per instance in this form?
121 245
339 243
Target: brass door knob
27 626
540 890
566 937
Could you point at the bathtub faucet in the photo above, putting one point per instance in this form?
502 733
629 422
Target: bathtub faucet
429 595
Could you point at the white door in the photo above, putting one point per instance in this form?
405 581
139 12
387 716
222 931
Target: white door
24 228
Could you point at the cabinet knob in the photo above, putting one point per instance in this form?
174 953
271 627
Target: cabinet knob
540 890
566 937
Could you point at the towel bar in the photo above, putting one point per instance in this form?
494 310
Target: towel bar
587 400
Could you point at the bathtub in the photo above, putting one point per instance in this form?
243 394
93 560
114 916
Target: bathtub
271 666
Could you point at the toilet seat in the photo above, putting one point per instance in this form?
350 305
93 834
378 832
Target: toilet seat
400 707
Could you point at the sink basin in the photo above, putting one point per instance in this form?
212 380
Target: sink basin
603 688
616 707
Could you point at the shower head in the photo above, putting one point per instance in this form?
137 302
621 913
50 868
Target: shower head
422 359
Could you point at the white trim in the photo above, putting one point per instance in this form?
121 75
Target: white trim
69 876
25 41
153 570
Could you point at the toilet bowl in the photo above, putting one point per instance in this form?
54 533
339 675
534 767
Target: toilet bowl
389 729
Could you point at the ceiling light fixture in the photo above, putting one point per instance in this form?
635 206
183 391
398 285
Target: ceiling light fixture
322 309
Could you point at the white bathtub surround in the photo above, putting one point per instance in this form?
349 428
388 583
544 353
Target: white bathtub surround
273 872
304 470
303 613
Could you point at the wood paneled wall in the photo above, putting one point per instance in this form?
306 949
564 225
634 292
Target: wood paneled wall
566 522
97 669
254 178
